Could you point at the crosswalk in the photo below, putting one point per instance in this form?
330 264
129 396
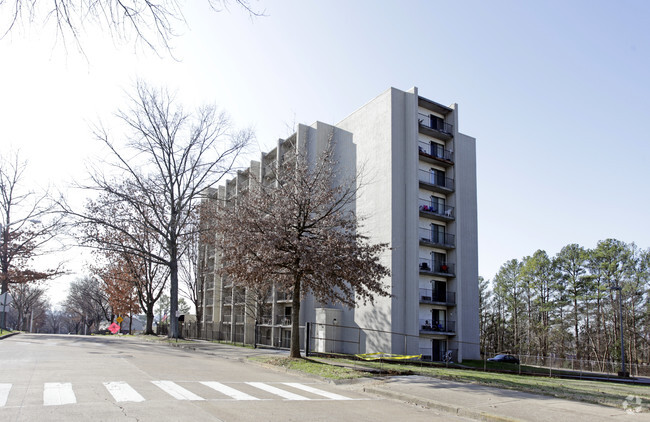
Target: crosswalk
63 393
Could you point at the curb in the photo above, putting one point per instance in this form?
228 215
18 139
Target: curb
9 335
432 404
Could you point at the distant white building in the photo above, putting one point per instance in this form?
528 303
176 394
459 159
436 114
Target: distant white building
420 199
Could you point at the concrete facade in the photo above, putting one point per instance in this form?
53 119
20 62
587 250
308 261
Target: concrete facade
418 194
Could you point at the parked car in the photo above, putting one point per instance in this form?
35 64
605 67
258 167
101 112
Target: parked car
504 359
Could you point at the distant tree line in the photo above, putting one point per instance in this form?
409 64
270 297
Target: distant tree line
567 305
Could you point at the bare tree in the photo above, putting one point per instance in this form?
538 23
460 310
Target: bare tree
149 22
190 286
88 301
28 300
171 157
54 320
301 235
149 277
28 225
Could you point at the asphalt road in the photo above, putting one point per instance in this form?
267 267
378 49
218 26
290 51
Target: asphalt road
83 378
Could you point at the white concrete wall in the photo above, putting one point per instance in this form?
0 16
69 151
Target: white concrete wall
467 313
371 129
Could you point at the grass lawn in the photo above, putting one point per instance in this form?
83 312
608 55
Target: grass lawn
5 332
313 367
500 366
597 392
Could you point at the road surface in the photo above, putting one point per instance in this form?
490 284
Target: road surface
81 378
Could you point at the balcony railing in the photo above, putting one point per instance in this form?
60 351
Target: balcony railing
435 151
265 320
283 320
442 296
428 354
431 266
435 123
434 237
270 168
433 207
432 178
284 297
427 325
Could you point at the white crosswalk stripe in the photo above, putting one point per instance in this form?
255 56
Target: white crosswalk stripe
122 391
309 389
176 390
4 393
277 391
228 391
58 393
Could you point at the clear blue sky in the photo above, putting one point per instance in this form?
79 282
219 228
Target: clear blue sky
557 94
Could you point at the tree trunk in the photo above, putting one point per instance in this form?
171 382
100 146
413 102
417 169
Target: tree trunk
173 293
199 317
149 311
295 319
575 326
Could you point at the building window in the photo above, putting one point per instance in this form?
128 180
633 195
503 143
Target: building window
439 319
437 233
439 290
438 348
437 150
436 122
437 177
437 204
439 262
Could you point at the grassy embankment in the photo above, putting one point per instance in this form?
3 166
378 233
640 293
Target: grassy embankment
598 392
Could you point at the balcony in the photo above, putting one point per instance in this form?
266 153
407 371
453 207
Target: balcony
435 154
265 320
431 181
270 169
227 294
439 268
435 238
433 209
435 126
284 297
283 320
437 327
441 296
436 355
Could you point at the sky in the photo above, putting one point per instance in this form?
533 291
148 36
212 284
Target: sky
556 93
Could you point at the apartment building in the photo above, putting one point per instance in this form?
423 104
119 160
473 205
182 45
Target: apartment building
418 195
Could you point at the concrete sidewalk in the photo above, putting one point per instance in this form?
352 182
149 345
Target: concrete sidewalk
493 404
